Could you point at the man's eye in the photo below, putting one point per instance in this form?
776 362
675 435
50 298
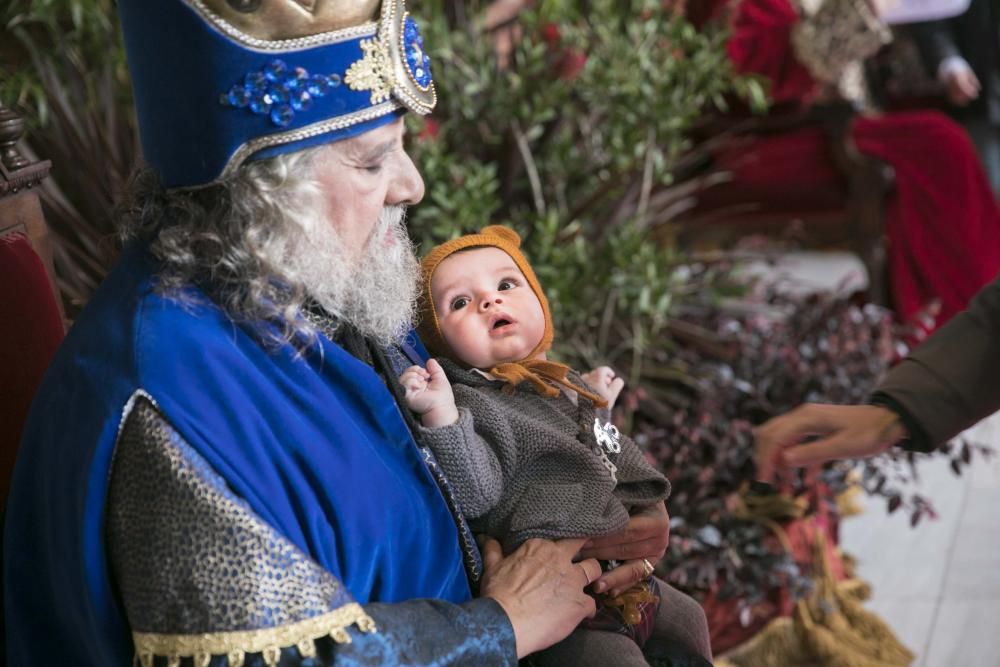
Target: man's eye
506 284
459 303
373 168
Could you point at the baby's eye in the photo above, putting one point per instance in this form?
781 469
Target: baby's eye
506 284
459 303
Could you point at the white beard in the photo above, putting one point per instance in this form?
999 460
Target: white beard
382 298
376 292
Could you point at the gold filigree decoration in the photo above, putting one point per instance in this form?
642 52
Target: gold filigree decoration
373 72
266 641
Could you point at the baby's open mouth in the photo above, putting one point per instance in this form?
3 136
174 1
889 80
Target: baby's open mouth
500 323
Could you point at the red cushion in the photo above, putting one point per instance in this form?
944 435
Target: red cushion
30 332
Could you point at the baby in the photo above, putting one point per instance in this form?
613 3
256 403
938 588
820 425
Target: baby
525 441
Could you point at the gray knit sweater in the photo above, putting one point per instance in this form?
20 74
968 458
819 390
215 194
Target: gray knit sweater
525 465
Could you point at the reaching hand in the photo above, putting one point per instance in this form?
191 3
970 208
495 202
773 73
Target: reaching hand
605 383
540 588
644 539
428 393
844 432
961 85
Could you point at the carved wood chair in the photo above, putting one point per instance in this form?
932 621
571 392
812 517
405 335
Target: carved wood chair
31 317
846 212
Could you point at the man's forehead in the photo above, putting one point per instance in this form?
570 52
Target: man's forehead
374 142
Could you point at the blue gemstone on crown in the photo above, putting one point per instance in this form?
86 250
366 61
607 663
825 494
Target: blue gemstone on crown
279 91
318 85
260 102
282 115
417 60
255 81
301 100
238 96
275 70
278 94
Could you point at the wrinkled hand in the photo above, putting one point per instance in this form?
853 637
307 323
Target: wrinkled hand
540 588
428 393
605 383
843 431
961 85
646 536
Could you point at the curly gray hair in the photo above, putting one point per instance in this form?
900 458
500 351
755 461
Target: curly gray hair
260 246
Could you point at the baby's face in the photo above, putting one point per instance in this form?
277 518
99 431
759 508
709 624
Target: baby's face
487 310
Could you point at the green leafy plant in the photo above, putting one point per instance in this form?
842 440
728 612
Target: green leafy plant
62 65
569 124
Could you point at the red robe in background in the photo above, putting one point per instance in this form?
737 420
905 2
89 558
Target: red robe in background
942 220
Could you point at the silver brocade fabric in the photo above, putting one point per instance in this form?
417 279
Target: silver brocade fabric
189 556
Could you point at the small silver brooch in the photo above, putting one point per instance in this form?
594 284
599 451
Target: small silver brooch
607 436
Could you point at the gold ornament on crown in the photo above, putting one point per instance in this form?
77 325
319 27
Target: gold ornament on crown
373 72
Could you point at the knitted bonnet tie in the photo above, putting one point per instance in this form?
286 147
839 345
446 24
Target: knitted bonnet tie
545 376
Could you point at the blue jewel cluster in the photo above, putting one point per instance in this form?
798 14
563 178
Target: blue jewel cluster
416 58
278 91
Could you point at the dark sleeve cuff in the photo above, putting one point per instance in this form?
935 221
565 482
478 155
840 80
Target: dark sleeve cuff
916 438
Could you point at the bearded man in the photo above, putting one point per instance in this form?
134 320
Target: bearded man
215 470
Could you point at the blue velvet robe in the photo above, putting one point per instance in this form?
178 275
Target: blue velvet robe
315 445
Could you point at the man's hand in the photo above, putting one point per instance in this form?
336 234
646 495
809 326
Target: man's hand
605 383
540 588
961 84
843 432
645 537
428 393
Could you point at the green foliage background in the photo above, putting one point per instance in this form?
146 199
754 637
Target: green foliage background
581 140
573 141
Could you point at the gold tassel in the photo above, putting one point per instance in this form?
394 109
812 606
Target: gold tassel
235 658
272 654
307 648
366 624
202 659
340 636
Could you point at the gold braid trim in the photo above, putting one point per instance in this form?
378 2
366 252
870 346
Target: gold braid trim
838 33
267 641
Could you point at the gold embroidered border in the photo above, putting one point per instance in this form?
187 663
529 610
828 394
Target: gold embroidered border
267 641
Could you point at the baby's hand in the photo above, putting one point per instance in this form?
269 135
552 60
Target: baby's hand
428 393
604 382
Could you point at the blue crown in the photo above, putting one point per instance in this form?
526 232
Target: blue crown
210 94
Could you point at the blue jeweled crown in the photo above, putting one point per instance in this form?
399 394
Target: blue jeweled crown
218 82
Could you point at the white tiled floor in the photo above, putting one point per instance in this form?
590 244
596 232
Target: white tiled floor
938 585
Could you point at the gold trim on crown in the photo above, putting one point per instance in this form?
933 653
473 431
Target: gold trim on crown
276 45
373 72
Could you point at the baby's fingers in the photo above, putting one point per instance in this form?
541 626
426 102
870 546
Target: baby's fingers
412 382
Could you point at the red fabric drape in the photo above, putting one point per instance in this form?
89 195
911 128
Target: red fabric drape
942 220
30 332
